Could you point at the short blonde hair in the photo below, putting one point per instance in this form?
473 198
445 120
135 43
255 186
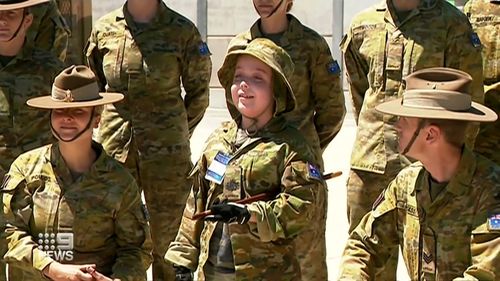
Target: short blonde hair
453 130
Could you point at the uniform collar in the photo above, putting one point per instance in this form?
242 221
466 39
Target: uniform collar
460 183
293 31
54 157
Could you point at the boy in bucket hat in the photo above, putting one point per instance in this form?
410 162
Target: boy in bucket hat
73 211
256 153
443 211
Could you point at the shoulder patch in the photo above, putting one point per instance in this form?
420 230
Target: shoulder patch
333 67
203 49
494 222
474 38
313 171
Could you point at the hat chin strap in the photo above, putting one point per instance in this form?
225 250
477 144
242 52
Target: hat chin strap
77 135
272 12
414 137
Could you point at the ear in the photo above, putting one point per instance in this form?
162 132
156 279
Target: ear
433 134
96 121
28 20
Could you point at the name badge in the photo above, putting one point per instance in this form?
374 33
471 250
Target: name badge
217 168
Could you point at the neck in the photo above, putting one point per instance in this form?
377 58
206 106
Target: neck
142 11
443 162
12 47
78 154
274 24
253 124
405 5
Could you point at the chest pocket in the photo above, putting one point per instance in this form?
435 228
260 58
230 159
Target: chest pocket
45 203
488 29
371 41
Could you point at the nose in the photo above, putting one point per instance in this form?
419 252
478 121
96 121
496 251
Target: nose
243 85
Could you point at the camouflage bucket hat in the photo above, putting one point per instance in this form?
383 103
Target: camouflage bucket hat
273 56
6 5
75 86
438 93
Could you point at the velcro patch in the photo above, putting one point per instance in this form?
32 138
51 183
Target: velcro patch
203 49
474 38
494 222
333 67
314 172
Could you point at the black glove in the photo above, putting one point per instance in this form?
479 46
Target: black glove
229 212
183 273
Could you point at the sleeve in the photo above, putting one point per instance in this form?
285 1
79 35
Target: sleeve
94 59
328 95
463 52
17 200
196 73
51 30
485 240
185 249
133 237
294 207
356 72
368 245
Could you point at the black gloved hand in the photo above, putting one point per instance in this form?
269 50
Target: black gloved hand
183 273
229 212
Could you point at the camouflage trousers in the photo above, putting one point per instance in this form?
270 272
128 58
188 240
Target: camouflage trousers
310 245
363 188
166 187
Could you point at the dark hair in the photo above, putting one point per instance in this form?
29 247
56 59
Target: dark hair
453 130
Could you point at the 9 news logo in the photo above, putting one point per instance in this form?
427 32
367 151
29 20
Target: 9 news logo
57 246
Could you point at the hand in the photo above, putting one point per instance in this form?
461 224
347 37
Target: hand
98 276
183 273
229 212
68 272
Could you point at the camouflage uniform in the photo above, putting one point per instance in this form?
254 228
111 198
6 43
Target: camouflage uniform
49 30
276 159
379 51
450 238
150 130
101 208
319 112
485 19
27 75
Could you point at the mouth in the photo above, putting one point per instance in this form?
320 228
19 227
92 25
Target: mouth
245 96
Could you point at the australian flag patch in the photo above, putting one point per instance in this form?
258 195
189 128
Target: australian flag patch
203 49
494 222
474 38
333 67
313 172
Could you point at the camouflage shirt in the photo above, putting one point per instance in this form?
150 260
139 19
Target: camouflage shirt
49 30
484 16
380 51
147 63
456 236
27 75
320 108
276 160
101 211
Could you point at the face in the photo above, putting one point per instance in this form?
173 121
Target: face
265 7
69 122
11 20
406 126
251 90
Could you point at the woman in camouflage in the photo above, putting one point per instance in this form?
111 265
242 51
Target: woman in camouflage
73 212
256 153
